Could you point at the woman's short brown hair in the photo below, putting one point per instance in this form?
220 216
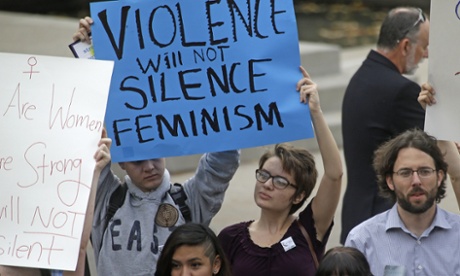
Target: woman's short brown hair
300 164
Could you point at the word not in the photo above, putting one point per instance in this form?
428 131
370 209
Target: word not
56 220
225 80
174 59
187 124
250 16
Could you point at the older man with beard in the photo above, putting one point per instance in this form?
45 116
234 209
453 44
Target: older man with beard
380 103
414 237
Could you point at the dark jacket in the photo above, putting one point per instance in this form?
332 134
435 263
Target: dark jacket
379 103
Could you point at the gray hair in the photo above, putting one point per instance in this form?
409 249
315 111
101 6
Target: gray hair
400 23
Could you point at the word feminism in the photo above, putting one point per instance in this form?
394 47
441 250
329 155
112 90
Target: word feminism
186 125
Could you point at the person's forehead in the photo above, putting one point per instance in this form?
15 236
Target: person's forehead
138 162
424 32
408 155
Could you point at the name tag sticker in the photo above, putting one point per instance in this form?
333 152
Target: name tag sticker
288 244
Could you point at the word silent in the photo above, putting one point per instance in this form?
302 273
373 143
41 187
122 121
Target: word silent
38 251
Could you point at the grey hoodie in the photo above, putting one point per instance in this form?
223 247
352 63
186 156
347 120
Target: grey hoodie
132 241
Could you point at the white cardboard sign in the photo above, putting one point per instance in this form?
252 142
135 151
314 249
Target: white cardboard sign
51 117
444 70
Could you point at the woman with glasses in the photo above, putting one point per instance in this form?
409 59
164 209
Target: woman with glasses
280 241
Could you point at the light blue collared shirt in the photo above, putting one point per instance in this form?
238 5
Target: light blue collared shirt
385 240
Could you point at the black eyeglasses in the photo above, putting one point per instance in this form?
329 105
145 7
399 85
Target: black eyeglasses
421 172
421 18
279 182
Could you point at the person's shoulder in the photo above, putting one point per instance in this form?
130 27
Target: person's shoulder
235 229
452 218
371 224
378 72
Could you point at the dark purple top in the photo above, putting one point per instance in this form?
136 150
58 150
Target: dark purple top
247 258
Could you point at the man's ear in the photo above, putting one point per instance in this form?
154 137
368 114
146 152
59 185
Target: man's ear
390 183
404 46
299 198
441 175
122 165
216 265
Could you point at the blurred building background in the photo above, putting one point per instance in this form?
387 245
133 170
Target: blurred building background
347 23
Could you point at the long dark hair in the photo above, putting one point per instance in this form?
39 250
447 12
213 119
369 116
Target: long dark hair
343 261
192 234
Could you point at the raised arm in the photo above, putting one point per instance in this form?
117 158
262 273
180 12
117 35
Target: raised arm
206 189
102 157
452 157
327 197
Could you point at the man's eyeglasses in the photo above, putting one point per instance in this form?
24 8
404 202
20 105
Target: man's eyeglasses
421 18
421 172
279 182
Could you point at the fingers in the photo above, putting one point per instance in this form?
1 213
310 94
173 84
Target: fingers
305 80
84 30
426 96
428 87
105 141
102 155
104 133
306 91
103 148
86 22
304 72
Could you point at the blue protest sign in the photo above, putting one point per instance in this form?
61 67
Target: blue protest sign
199 76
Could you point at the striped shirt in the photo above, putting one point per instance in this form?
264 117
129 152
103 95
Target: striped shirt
385 241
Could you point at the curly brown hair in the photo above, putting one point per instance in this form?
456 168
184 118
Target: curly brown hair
385 158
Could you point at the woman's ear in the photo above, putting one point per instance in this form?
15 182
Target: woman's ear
299 198
216 265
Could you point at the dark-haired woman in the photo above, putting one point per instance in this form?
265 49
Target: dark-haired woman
193 250
344 261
